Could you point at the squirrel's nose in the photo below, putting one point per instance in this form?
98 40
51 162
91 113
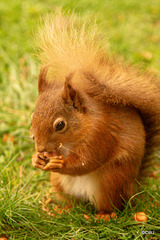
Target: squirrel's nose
45 147
40 147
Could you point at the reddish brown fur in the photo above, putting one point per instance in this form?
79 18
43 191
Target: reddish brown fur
113 123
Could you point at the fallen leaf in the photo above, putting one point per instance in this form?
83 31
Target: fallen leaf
155 38
20 171
87 217
8 138
147 55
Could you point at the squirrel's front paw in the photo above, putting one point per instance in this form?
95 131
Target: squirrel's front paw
55 164
39 161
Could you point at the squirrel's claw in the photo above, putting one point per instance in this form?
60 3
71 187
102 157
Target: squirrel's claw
54 164
48 164
38 161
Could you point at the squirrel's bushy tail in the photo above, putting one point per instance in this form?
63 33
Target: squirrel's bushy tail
67 45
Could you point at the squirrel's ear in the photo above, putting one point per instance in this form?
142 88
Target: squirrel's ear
72 96
42 83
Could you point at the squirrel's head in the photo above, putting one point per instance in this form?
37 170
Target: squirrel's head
60 115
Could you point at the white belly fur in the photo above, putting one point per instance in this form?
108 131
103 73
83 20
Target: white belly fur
84 187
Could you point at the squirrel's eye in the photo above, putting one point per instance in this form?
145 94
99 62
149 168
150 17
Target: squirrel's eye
60 125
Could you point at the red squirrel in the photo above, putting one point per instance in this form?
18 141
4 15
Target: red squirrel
96 119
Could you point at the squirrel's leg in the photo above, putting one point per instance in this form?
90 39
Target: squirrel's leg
56 187
58 191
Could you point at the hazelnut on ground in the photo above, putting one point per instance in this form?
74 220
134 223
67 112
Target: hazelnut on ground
140 217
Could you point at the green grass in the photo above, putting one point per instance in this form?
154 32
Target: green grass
133 29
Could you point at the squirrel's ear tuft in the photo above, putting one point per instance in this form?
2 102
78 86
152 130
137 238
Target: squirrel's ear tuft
42 82
72 96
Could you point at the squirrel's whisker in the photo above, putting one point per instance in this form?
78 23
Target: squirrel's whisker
61 146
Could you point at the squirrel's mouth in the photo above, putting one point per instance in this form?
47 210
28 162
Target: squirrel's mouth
50 154
60 151
46 155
